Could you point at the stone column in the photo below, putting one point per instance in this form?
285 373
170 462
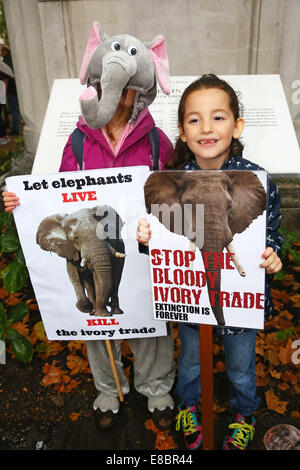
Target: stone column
25 38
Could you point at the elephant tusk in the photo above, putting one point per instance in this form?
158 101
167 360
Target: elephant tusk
236 260
82 263
115 253
192 247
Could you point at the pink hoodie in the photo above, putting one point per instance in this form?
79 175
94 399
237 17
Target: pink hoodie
133 148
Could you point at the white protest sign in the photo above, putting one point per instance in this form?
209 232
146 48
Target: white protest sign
58 292
269 136
185 278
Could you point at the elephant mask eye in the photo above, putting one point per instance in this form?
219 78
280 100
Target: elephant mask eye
115 45
132 50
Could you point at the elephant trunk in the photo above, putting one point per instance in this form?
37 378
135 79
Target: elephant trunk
214 287
102 274
115 76
213 244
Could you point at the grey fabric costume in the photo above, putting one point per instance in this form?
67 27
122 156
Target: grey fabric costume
154 368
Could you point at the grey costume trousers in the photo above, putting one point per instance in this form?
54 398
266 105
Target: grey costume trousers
154 366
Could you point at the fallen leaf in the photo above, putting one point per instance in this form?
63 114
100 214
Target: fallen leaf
284 353
284 386
289 376
22 328
274 403
32 305
216 349
53 374
274 373
295 299
74 346
13 299
164 440
74 416
220 366
271 356
260 350
126 350
280 295
281 323
286 314
3 293
76 364
217 408
39 331
290 280
49 348
262 378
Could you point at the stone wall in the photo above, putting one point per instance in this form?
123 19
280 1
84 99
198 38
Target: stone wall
222 36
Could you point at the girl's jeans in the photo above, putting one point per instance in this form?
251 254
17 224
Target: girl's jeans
240 361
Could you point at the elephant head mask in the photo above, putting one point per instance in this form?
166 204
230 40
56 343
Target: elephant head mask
116 63
90 241
231 199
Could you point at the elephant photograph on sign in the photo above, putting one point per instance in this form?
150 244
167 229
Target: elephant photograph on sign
90 241
232 200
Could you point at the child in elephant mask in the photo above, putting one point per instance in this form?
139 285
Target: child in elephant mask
209 129
115 126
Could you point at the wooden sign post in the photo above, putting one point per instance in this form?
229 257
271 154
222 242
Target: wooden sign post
114 369
206 367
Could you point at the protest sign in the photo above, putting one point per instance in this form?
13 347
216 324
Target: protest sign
75 229
199 274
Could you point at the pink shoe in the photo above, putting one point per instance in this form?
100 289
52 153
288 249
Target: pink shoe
242 432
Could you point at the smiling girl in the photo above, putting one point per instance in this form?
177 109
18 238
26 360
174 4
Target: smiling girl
210 126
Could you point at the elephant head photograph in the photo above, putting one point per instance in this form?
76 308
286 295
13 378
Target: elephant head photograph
232 200
90 241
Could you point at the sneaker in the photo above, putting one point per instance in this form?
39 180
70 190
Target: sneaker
243 429
187 417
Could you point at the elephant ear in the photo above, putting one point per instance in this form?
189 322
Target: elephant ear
248 200
95 39
161 188
51 236
158 50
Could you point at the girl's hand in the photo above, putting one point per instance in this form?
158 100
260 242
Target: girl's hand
11 201
272 262
143 234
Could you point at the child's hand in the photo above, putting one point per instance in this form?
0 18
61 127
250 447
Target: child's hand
272 262
143 234
11 201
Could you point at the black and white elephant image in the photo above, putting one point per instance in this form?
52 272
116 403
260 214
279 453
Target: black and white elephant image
90 240
232 201
113 64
